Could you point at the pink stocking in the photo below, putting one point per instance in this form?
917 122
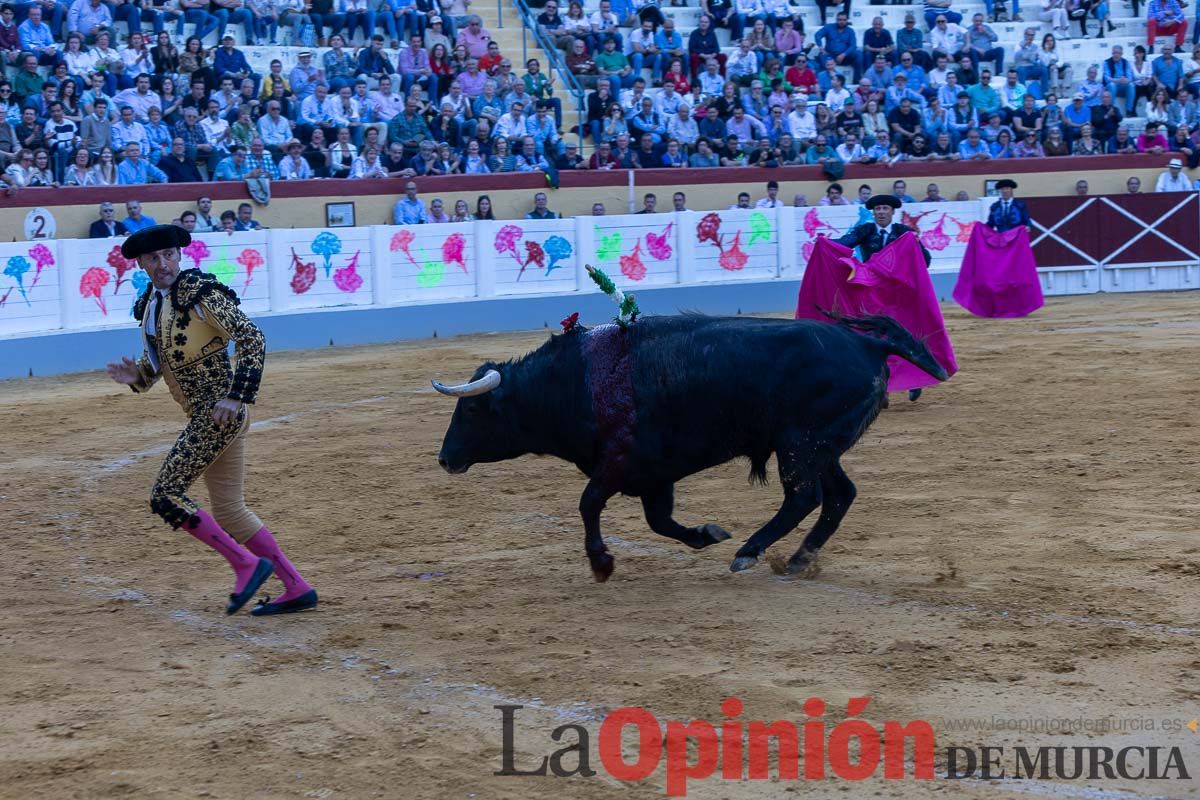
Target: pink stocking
263 544
241 559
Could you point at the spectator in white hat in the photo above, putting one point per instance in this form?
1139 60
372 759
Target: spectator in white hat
1173 180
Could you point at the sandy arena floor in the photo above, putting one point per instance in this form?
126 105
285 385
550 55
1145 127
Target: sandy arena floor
1024 546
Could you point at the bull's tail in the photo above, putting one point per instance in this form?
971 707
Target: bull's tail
894 337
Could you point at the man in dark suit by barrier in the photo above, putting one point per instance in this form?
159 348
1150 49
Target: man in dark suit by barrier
871 237
1008 212
107 225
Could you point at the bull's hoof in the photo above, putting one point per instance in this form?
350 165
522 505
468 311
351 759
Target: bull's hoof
602 567
743 562
708 534
804 564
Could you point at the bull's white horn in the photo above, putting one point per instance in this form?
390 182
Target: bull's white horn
489 381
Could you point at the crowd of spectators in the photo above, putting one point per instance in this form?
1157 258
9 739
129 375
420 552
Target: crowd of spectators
161 108
931 91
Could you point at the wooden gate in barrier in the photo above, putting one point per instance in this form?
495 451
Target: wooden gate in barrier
1117 243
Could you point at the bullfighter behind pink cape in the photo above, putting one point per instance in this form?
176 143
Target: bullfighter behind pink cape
894 282
998 276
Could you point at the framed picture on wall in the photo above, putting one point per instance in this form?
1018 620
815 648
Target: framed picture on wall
341 215
989 188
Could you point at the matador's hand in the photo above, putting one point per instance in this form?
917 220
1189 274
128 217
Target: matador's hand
125 372
226 411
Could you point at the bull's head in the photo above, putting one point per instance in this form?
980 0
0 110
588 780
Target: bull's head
480 429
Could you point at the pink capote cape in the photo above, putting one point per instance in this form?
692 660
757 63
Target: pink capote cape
895 282
998 276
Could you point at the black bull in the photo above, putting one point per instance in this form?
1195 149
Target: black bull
639 409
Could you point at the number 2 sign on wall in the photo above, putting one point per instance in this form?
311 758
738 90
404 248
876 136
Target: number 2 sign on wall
39 224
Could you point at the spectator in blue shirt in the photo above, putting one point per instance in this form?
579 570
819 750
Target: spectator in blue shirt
135 170
1168 71
36 37
410 210
973 148
838 42
918 79
234 167
136 219
229 62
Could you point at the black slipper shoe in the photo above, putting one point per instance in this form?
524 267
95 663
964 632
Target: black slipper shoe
304 602
261 573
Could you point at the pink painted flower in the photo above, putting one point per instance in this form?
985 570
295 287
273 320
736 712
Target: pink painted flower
659 244
631 265
197 251
506 241
454 250
347 278
734 259
251 259
92 283
42 258
936 238
400 242
965 229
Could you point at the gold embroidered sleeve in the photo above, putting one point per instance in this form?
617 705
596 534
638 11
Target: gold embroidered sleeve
250 346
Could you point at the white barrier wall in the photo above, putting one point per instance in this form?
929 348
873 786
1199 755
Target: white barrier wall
77 284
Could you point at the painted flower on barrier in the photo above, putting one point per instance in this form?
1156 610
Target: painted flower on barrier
814 224
609 247
506 242
760 228
734 258
16 268
42 258
658 245
140 281
120 265
913 220
965 229
223 270
936 238
251 259
305 274
454 250
401 242
327 245
197 251
431 274
347 278
631 265
708 229
534 254
92 284
558 249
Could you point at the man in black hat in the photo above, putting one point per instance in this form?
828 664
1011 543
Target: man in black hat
871 237
188 319
1008 212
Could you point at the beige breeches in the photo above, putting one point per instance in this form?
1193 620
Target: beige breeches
224 481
